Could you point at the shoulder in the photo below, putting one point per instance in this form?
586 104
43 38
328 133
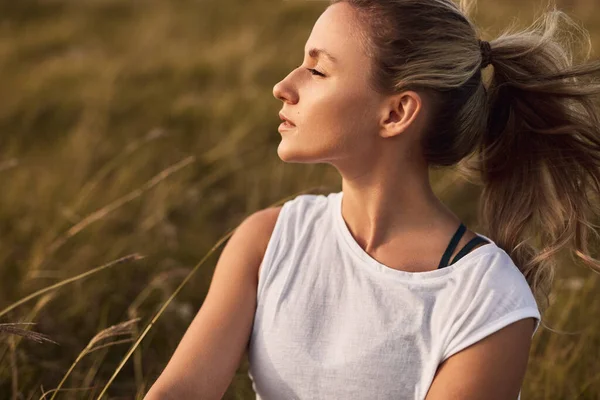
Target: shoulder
495 275
266 216
249 240
492 293
502 272
304 210
260 225
258 228
299 211
492 267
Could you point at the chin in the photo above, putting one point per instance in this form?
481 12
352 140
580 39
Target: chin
290 155
287 156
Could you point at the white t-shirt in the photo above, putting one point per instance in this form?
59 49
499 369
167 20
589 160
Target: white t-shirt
333 323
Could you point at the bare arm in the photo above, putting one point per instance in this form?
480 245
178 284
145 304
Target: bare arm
492 369
211 350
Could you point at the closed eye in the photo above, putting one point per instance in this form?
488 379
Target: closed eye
313 71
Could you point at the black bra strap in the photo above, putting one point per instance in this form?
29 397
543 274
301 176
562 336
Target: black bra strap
472 243
453 242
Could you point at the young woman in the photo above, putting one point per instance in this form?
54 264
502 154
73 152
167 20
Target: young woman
379 291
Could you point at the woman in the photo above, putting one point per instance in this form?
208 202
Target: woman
379 291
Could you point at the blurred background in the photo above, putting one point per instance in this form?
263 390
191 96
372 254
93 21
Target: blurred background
146 127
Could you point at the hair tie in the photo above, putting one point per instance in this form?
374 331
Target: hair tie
486 53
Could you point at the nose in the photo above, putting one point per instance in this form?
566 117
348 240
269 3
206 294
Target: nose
283 90
280 92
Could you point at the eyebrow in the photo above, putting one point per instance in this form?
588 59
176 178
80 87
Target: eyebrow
315 53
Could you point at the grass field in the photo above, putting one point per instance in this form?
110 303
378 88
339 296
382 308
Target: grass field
149 128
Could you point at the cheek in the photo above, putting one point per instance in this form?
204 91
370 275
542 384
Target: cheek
353 118
341 109
340 130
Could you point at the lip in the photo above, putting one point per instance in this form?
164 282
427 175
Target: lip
284 126
286 119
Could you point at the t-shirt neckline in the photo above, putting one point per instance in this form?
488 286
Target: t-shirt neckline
348 240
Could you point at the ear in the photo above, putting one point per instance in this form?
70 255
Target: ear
400 113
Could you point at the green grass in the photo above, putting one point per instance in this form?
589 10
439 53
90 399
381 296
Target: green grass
149 127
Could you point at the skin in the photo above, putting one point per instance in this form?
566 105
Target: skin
372 141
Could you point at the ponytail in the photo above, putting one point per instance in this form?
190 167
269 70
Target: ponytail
539 157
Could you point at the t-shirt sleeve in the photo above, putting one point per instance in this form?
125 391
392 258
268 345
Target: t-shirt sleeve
488 303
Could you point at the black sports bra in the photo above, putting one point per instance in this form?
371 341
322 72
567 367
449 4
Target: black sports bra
452 245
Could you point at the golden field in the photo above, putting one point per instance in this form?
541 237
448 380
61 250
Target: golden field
143 132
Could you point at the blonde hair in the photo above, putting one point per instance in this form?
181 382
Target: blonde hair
531 134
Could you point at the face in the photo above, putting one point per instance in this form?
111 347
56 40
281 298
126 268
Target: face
329 101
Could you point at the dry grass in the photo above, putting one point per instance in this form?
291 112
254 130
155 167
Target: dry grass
14 329
149 127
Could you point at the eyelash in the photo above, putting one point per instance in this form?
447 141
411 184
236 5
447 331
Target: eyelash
313 71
